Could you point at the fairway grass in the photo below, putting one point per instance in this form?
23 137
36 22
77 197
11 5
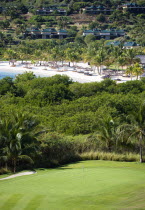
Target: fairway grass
83 185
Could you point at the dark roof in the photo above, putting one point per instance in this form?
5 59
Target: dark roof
88 31
62 31
126 44
100 7
131 5
129 44
120 31
115 43
49 30
105 31
91 7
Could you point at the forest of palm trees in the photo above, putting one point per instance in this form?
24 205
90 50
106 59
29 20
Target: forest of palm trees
98 54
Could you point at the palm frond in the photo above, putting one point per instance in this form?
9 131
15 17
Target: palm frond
26 158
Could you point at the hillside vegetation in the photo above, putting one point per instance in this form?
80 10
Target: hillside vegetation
17 16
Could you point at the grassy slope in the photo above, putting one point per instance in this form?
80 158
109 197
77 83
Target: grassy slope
84 185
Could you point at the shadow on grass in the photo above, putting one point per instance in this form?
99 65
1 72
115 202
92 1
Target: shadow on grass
61 167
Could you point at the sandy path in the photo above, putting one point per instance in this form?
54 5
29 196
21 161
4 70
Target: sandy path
19 174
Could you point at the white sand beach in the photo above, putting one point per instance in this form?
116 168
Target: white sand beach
42 71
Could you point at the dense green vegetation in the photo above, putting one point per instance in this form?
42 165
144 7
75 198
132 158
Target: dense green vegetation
51 121
84 185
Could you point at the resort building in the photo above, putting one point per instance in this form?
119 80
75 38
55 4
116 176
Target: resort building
130 45
105 34
97 10
115 43
133 8
49 33
125 45
50 10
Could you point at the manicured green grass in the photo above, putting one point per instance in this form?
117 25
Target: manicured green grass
84 185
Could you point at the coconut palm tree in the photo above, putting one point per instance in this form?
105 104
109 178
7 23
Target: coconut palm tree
10 55
108 62
117 55
37 55
129 71
88 54
107 132
61 54
137 70
16 133
54 55
130 55
99 59
121 61
135 128
23 53
22 56
7 138
72 55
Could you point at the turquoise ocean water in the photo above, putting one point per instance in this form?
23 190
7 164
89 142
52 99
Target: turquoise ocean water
7 74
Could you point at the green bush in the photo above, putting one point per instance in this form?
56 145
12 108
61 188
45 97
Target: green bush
56 149
4 171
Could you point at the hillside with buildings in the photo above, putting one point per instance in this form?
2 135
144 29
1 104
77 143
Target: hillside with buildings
109 20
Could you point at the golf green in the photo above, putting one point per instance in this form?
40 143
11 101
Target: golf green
84 185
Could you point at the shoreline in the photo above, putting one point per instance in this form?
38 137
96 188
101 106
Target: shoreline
42 71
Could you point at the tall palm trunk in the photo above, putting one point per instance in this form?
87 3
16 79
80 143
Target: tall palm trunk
100 69
109 145
14 164
131 76
6 165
